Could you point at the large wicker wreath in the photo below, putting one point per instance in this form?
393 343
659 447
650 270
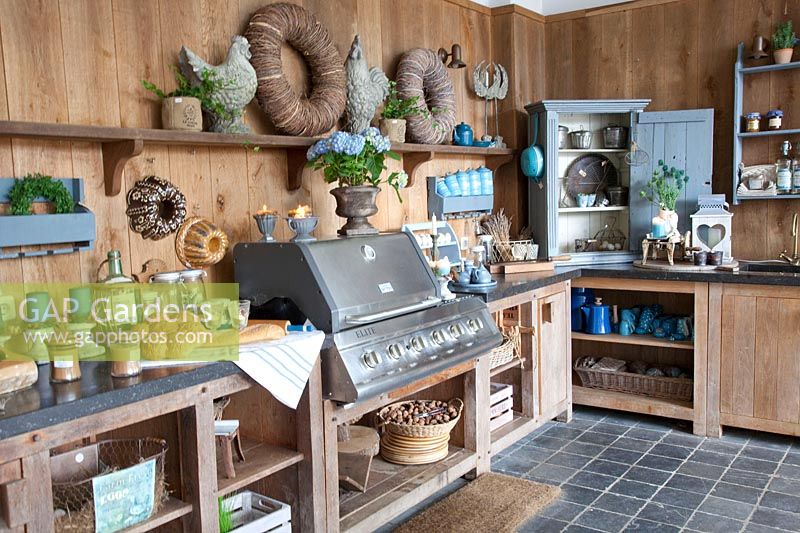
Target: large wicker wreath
271 27
421 73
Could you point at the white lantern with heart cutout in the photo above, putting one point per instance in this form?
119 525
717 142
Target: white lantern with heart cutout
711 225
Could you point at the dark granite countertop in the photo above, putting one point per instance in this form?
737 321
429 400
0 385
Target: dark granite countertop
45 404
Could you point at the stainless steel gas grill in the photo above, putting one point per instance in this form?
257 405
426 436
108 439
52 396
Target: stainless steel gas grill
378 299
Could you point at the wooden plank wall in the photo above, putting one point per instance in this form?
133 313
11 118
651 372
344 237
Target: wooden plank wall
81 62
680 54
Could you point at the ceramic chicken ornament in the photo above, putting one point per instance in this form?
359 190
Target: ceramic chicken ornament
237 83
367 88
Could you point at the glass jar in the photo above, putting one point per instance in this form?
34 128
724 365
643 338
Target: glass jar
194 290
775 119
753 122
64 363
126 360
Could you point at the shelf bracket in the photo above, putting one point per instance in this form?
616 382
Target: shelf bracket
412 161
115 155
494 162
295 163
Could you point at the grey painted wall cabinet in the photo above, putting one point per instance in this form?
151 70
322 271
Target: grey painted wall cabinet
683 139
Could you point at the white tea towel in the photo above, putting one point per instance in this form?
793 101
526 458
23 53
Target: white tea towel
282 366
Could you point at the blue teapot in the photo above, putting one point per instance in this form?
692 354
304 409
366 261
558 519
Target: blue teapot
580 297
463 135
597 317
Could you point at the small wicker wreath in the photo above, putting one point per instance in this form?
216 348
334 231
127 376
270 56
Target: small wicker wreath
421 73
156 208
200 243
271 27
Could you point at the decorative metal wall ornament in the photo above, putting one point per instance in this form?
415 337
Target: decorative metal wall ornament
236 78
421 73
269 29
495 90
156 208
367 88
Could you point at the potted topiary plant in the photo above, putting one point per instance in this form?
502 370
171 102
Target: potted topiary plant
395 111
356 161
783 42
663 190
182 109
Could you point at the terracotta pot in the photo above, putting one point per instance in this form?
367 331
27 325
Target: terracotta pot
783 56
356 204
181 113
394 128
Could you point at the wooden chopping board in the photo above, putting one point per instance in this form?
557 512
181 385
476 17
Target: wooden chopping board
16 375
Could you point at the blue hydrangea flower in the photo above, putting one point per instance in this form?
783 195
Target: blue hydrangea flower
354 145
402 179
318 149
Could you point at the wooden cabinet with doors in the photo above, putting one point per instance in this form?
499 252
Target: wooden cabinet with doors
541 377
754 358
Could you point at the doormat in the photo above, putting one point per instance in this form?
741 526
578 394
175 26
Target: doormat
493 502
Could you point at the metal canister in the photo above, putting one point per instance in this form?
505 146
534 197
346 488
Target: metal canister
615 137
617 195
562 137
581 139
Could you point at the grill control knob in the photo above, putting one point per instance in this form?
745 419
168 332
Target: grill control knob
418 344
474 324
372 359
438 336
395 351
457 330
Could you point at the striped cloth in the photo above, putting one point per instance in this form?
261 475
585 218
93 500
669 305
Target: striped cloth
282 366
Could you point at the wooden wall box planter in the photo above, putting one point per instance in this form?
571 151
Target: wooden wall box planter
76 229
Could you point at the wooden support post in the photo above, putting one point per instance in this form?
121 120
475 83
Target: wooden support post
566 416
477 436
115 156
39 493
529 383
714 364
700 357
331 465
310 442
199 464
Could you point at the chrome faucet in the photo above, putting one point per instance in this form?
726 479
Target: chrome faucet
794 259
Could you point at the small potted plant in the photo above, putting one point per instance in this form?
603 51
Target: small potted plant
783 42
663 190
356 161
395 111
182 109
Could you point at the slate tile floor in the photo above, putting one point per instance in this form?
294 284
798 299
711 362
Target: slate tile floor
621 472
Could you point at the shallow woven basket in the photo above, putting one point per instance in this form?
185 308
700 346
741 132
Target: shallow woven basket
507 351
408 430
679 389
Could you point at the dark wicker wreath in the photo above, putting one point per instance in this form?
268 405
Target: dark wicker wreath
156 208
421 73
271 27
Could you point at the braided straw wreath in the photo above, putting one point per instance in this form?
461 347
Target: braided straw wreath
421 73
271 27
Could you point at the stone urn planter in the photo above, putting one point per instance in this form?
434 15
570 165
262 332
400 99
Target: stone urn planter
181 113
783 56
394 128
356 204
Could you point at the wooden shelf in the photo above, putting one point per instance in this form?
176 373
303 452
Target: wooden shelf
594 150
622 401
119 145
592 209
514 363
768 133
395 488
638 340
506 435
172 510
775 197
261 460
769 68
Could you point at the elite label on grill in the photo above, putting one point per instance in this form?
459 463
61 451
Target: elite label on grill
386 288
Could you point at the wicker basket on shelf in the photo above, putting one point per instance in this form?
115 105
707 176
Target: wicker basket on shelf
410 430
508 351
678 389
510 251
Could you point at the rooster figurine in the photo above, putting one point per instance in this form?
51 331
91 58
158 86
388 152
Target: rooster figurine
236 80
367 88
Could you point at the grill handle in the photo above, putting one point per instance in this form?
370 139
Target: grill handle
359 320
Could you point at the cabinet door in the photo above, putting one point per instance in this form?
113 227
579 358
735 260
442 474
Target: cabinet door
684 140
760 360
553 352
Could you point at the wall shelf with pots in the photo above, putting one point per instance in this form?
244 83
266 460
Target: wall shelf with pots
120 145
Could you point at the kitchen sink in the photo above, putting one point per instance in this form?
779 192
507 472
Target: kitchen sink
776 267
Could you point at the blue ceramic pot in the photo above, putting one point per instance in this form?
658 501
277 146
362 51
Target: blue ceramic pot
580 296
597 317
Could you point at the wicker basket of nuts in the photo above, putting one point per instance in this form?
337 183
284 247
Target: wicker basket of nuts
421 418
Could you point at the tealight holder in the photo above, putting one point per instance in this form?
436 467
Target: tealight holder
266 225
302 228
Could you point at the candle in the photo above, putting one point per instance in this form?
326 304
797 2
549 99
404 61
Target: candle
266 211
301 211
659 228
433 225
